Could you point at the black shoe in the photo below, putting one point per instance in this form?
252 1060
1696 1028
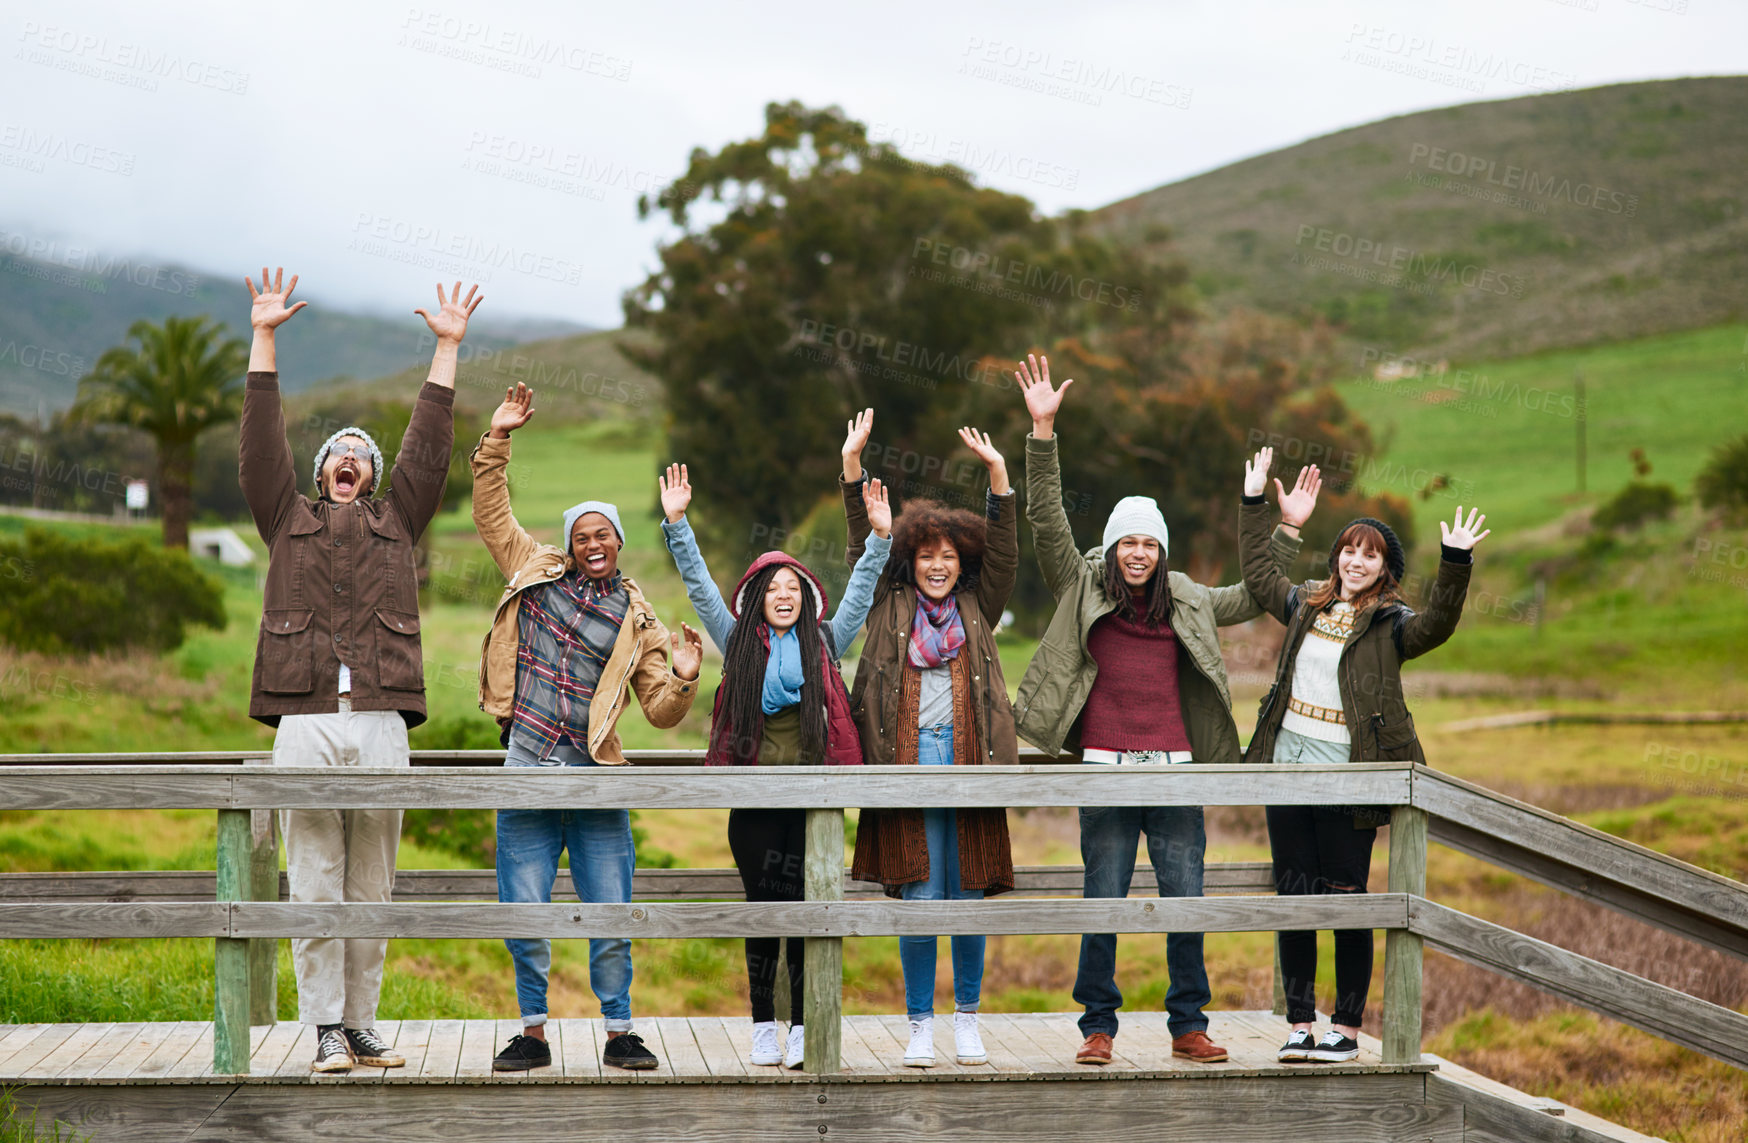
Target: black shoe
522 1053
371 1050
626 1050
1333 1048
1296 1048
332 1051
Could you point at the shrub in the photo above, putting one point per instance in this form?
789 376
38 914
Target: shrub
1635 504
85 596
1723 483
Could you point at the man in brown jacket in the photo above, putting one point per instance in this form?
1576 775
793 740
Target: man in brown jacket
338 668
572 635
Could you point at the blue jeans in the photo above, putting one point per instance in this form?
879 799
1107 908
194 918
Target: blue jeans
1176 841
602 862
917 954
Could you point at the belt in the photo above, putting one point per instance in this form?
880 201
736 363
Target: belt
1320 713
1134 757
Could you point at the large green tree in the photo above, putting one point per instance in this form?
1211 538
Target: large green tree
178 380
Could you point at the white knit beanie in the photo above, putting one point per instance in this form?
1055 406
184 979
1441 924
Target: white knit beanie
1137 516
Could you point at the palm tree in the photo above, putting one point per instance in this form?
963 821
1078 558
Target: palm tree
180 381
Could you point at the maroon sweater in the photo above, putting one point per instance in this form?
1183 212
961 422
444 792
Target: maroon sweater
1134 700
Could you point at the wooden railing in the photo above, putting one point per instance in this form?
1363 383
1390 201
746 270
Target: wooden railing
246 917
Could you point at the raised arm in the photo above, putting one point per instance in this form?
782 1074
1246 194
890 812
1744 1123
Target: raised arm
706 597
1444 606
850 486
1264 573
1001 554
508 542
859 592
264 466
421 468
1052 539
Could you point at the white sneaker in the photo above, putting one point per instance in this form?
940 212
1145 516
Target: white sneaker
797 1043
921 1053
967 1043
765 1051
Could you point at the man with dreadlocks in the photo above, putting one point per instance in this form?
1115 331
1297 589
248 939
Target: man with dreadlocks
570 637
338 665
1129 672
782 702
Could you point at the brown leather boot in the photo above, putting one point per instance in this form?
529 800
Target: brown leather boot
1096 1050
1196 1046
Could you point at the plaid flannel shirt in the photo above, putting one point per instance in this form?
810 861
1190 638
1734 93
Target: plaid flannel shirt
566 630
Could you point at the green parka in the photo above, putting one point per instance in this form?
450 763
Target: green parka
1060 677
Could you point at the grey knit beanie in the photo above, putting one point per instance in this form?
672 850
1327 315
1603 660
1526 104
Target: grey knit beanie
608 510
375 456
1137 516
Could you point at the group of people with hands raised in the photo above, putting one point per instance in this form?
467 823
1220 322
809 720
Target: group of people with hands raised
1129 672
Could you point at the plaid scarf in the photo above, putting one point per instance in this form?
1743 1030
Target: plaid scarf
937 632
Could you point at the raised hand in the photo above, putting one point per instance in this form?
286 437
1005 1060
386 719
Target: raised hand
979 443
449 323
1296 506
1460 535
1041 400
1256 472
268 309
856 433
879 509
515 412
689 657
676 485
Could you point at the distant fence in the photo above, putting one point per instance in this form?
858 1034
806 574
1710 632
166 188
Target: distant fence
246 916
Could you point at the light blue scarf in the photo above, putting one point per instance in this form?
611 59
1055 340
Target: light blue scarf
783 675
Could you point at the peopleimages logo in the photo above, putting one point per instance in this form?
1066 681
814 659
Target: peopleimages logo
1523 179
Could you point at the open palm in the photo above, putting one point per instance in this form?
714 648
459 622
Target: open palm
268 310
449 323
676 486
517 408
879 504
1034 377
1463 535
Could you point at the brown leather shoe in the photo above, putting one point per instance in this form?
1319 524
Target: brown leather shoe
1096 1050
1196 1046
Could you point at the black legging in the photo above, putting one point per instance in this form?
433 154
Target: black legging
1316 849
769 847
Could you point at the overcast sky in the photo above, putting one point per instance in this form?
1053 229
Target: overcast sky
374 147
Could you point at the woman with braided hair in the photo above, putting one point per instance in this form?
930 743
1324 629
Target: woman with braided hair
782 702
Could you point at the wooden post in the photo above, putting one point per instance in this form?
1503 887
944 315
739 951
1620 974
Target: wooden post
263 886
230 1025
822 998
1402 949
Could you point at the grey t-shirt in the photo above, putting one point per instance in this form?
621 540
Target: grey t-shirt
935 696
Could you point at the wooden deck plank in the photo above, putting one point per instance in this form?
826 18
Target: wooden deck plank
478 1045
1251 1044
1058 1038
576 1045
1003 1058
50 1064
681 1057
197 1061
411 1040
132 1054
16 1037
115 1037
271 1052
1270 1028
442 1051
858 1056
1026 1056
296 1062
721 1054
30 1053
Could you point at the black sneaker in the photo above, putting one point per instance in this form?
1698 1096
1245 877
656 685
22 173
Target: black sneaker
1295 1049
1333 1048
332 1052
372 1050
626 1050
522 1053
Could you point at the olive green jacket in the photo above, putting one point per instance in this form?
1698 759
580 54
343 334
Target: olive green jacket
1060 677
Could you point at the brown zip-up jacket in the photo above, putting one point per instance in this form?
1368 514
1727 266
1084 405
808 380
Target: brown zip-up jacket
341 585
891 845
640 653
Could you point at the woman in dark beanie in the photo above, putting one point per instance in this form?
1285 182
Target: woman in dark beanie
929 691
1338 698
782 702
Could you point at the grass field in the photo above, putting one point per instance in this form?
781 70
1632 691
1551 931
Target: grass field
1637 626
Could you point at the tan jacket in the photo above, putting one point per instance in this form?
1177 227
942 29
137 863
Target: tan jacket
640 656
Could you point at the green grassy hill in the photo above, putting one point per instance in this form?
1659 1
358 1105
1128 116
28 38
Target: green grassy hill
1576 217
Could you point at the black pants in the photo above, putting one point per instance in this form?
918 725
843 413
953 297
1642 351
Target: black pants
769 847
1317 850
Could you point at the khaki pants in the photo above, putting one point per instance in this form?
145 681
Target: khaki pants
340 855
